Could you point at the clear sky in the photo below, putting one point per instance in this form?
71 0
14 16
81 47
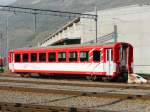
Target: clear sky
6 2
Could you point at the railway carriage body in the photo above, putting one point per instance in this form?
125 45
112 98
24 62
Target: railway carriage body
109 60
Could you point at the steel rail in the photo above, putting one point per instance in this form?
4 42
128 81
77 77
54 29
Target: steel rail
76 92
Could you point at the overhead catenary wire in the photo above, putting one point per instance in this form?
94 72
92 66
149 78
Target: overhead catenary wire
36 11
46 12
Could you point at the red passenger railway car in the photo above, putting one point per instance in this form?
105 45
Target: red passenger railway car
107 60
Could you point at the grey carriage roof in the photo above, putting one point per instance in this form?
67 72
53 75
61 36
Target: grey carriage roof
68 46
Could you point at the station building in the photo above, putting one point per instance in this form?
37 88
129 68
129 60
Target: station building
125 24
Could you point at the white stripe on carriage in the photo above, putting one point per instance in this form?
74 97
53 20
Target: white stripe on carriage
92 50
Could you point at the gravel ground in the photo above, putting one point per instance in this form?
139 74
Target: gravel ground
75 101
124 105
78 88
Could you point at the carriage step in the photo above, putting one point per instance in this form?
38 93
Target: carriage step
134 78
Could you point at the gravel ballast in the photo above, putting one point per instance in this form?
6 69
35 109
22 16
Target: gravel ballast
115 104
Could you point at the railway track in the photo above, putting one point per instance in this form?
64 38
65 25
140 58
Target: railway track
74 90
76 83
122 92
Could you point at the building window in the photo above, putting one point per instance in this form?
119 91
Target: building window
42 57
84 56
17 57
96 56
51 57
61 56
33 57
72 56
25 57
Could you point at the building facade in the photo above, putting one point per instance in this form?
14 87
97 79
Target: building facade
132 26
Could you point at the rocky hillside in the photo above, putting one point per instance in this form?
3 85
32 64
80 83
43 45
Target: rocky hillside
21 26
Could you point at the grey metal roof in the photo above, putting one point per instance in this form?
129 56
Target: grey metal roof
69 46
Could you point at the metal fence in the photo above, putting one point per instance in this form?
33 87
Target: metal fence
111 37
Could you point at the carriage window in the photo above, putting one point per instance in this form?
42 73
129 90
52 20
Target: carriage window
33 57
84 56
25 57
61 56
17 57
97 56
51 57
72 56
42 57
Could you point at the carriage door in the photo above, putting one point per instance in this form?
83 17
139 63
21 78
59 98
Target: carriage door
12 61
109 62
124 57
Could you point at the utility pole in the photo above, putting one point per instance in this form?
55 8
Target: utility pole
96 24
6 41
35 21
1 45
115 33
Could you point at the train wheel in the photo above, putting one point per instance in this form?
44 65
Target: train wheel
91 77
94 78
88 77
106 79
26 75
22 75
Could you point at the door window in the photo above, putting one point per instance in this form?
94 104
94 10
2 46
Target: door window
109 53
96 56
